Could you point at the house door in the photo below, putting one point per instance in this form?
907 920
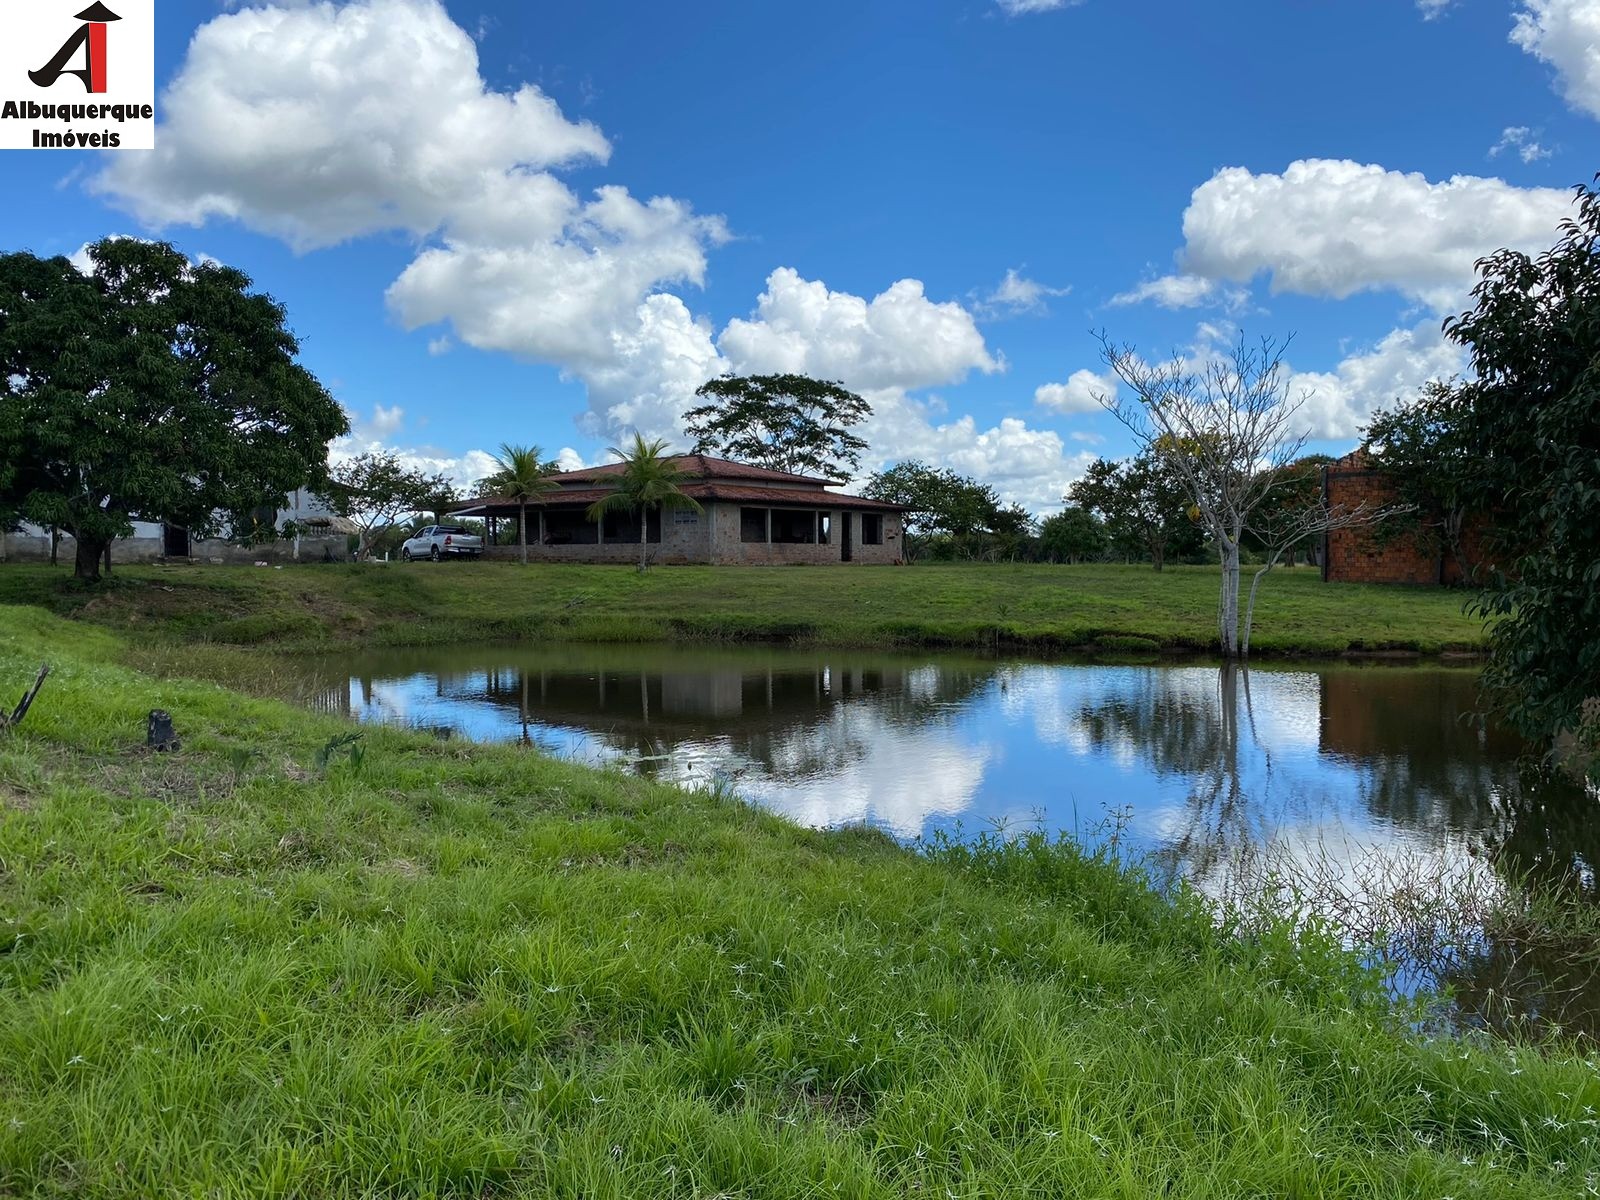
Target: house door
174 541
846 532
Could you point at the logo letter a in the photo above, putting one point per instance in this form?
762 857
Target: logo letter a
91 33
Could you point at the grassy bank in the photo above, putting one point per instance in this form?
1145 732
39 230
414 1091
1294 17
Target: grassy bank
256 968
1027 606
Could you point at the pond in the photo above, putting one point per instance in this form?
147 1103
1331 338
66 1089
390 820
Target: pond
1362 792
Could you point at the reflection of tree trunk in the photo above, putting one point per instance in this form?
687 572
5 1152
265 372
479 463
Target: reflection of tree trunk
1228 676
524 706
1218 802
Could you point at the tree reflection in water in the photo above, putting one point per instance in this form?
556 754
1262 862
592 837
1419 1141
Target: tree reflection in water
1491 891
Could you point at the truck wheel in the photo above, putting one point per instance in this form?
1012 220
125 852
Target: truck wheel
433 554
405 555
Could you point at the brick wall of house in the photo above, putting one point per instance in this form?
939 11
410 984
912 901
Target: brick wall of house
731 548
684 539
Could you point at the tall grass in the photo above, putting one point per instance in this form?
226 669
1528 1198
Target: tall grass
472 971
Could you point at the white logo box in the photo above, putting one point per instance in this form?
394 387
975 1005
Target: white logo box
74 78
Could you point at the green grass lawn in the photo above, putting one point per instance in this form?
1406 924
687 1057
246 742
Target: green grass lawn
437 969
1028 606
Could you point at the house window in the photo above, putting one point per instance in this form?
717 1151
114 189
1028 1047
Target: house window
794 527
752 524
872 529
824 528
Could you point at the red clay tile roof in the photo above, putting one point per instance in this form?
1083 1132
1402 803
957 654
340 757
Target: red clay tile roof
730 493
802 497
701 466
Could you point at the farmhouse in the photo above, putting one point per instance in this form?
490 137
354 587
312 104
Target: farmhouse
748 515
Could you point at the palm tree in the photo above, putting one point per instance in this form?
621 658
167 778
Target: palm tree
522 476
648 480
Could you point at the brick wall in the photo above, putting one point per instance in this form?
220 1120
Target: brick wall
731 548
684 539
1373 554
1363 554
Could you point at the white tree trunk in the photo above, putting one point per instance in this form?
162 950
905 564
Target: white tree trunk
644 528
1228 614
522 531
1250 608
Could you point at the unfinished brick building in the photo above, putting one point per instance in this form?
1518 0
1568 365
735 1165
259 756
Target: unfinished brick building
1373 554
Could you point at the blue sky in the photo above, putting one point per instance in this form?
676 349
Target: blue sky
548 223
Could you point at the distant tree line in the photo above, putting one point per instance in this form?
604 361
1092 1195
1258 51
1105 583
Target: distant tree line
1136 510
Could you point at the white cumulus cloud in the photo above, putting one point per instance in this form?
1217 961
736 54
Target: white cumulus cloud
1339 402
564 297
1334 228
273 120
1566 35
898 339
1079 394
1025 465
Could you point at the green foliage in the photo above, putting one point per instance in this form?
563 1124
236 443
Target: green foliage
1423 449
347 743
473 970
376 489
1532 420
1295 488
152 389
1072 535
1143 505
783 422
952 515
521 473
649 481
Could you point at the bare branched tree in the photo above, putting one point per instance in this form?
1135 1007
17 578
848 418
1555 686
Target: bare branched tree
1227 424
1277 527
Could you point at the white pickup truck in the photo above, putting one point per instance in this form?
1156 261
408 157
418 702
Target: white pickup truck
441 541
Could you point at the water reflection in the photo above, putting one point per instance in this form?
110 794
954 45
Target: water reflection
1219 776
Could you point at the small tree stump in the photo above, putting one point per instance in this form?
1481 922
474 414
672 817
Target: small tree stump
159 734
